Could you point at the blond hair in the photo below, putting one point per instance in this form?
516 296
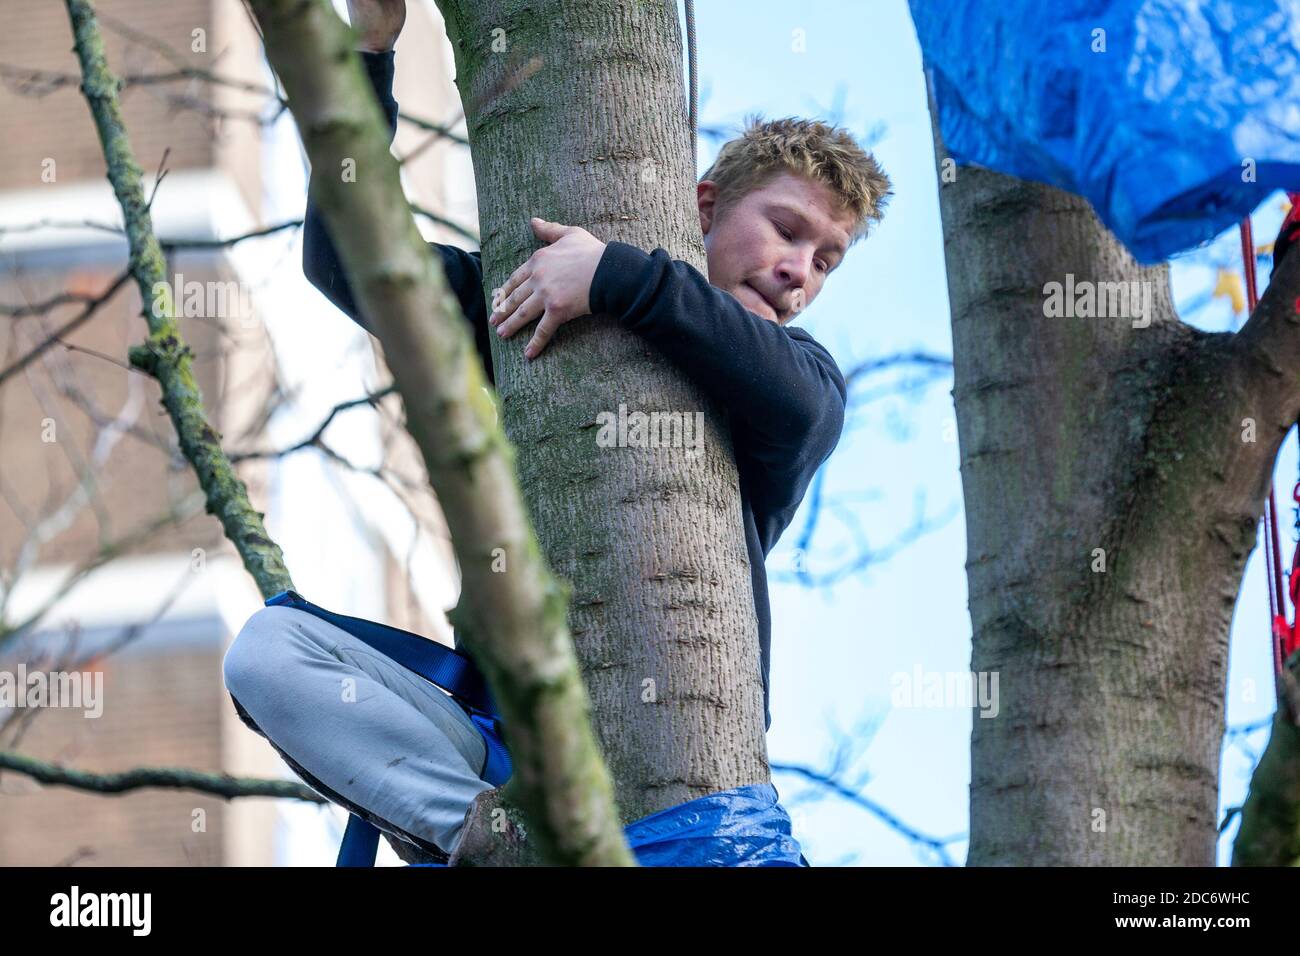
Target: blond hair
823 153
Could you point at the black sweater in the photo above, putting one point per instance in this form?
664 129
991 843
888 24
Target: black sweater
784 392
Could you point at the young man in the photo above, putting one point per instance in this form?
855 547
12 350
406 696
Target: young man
778 209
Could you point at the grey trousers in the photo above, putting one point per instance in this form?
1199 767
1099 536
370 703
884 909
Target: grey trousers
361 730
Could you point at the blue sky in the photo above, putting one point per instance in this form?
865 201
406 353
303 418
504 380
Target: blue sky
835 649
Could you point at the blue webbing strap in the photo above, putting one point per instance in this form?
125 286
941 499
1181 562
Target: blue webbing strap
360 843
451 670
443 666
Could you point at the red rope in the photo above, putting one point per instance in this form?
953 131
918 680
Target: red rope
1288 638
1248 259
1285 636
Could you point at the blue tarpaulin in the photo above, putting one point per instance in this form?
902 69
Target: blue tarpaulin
741 827
1159 112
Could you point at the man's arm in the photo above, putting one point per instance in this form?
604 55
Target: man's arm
780 386
320 261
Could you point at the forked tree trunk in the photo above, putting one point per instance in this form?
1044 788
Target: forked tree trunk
576 114
1126 440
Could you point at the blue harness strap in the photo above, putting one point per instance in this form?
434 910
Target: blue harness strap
442 666
745 826
451 670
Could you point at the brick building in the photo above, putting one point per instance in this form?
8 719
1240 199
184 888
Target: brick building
87 456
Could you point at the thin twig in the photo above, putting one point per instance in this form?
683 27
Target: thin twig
92 306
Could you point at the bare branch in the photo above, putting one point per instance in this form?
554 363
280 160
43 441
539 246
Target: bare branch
314 438
938 844
443 221
30 81
441 129
898 360
185 509
92 306
165 354
69 662
45 305
167 244
169 778
866 555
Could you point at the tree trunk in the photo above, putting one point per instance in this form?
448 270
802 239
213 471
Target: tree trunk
1114 471
576 114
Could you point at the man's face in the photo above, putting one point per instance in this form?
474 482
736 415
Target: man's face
773 249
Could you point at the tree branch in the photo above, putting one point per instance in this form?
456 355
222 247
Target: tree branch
92 306
315 437
172 778
514 623
1270 817
165 355
1266 352
829 782
185 509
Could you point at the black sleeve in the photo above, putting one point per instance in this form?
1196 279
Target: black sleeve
784 392
320 261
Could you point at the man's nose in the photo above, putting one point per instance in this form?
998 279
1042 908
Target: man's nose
795 269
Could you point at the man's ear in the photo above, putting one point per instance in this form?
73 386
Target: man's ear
706 197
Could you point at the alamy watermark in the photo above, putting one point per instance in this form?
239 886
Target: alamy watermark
946 689
626 429
64 689
130 910
1098 300
210 299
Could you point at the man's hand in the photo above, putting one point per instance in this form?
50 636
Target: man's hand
555 283
378 23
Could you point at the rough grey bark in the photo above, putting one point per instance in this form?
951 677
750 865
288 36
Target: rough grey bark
1085 439
576 114
511 614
